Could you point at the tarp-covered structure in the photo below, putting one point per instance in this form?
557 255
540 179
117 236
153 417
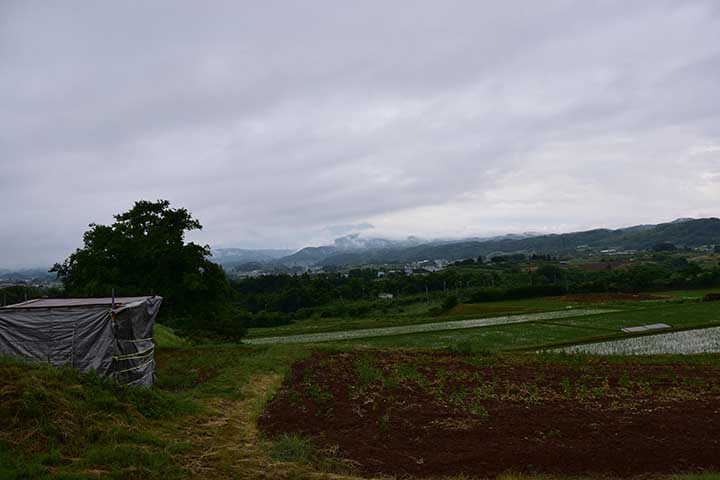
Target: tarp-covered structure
114 337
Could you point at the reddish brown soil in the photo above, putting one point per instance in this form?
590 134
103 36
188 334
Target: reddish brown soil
423 414
609 297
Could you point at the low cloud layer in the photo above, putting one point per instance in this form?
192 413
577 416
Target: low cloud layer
282 124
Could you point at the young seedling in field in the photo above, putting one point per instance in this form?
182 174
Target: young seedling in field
313 390
566 387
478 410
552 434
405 373
384 421
602 390
367 373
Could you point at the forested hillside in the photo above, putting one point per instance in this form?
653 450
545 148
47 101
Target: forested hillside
689 233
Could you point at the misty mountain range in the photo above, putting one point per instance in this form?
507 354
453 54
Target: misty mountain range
354 250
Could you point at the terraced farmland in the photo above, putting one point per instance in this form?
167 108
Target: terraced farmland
424 327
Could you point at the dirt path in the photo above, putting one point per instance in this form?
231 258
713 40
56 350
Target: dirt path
424 327
228 445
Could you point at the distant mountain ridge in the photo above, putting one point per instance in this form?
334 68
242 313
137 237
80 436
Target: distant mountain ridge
682 232
354 250
353 247
230 257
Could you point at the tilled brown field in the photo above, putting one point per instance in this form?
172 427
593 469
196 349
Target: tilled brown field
432 414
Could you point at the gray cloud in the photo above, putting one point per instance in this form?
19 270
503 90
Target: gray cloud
278 123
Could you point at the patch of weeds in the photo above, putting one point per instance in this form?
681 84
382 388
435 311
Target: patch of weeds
441 375
566 387
482 359
469 348
643 388
302 450
294 398
177 448
486 391
14 466
116 434
694 382
582 391
552 434
478 410
459 396
107 395
183 369
52 458
624 380
524 392
602 390
313 390
293 448
697 476
317 393
384 421
406 373
367 373
133 462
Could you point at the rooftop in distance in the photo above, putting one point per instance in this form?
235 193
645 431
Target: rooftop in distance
76 302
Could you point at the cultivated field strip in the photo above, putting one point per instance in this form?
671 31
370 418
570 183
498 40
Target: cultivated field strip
706 340
425 327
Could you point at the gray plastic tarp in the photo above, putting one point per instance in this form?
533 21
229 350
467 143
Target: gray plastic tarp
114 342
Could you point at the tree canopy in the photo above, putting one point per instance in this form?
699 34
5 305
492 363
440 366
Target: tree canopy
144 252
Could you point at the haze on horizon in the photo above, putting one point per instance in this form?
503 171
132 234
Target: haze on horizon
282 124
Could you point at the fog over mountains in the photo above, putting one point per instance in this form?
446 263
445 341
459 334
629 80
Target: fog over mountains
354 250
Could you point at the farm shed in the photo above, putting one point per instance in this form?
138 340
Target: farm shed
112 337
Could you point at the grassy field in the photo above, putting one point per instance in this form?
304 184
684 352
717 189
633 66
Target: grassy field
419 313
540 334
196 423
426 327
200 421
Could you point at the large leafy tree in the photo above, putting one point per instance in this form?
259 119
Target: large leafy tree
144 252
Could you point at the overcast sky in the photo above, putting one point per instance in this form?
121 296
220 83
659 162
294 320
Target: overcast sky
284 124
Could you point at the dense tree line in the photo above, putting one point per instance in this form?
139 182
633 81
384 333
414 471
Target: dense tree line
504 279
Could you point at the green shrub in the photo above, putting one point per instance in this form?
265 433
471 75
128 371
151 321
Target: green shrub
449 303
